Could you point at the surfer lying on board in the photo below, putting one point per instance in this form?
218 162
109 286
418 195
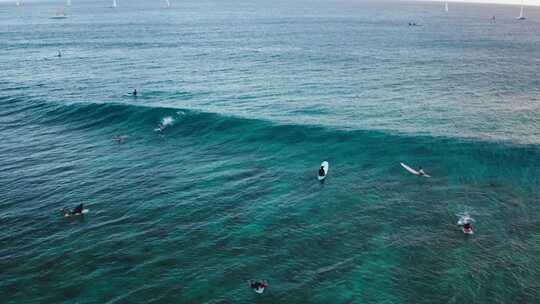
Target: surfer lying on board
258 286
77 211
321 171
120 138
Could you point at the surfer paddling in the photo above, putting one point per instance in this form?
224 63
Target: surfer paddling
120 138
79 210
467 228
466 222
258 286
419 172
321 171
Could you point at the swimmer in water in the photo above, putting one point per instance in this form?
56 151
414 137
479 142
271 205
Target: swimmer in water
134 92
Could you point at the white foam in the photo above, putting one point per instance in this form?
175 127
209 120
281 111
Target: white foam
464 218
167 121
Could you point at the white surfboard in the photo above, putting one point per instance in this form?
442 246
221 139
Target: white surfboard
85 211
326 166
259 290
411 170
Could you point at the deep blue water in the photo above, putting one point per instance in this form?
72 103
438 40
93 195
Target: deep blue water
256 94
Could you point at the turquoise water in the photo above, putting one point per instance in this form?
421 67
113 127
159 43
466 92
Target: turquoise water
259 94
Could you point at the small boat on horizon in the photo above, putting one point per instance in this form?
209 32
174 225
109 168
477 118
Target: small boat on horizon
59 15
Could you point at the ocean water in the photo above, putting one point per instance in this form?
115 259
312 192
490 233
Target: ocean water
255 95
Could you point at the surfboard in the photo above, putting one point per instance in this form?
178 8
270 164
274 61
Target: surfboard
326 166
411 170
85 211
259 290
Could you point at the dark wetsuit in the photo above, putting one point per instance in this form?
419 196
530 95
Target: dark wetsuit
78 209
321 172
257 285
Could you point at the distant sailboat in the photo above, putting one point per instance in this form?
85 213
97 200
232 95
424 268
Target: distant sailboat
114 4
446 7
59 15
521 16
168 3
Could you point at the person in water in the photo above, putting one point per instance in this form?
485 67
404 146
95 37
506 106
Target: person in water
321 171
77 211
258 285
134 92
120 138
467 227
421 171
59 54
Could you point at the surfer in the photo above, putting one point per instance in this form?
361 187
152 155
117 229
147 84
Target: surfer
59 54
258 286
421 171
467 228
77 211
134 92
321 171
120 138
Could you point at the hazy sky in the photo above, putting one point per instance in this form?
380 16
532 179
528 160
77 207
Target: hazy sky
526 2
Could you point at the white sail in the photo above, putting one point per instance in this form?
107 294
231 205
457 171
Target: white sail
446 7
521 16
168 3
114 4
